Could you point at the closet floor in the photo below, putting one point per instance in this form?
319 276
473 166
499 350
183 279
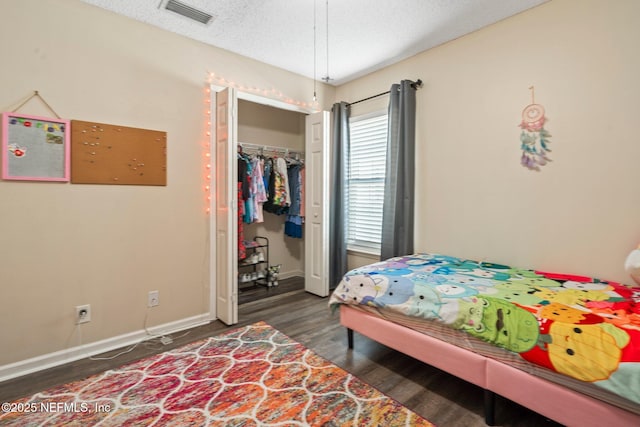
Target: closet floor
258 292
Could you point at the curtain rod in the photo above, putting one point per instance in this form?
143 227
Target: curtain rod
416 85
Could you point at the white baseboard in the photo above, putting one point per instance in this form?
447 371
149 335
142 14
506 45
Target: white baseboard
35 364
292 273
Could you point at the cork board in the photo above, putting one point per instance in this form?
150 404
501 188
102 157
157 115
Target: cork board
120 155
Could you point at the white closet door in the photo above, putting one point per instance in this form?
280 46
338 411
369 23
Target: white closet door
317 204
226 196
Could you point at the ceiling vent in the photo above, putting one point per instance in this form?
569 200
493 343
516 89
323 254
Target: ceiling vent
187 11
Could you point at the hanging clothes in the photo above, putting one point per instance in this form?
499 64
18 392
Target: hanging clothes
266 173
274 185
259 195
243 177
293 175
282 195
293 224
279 198
302 192
248 202
243 191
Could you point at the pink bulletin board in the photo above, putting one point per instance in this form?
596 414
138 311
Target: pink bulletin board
35 148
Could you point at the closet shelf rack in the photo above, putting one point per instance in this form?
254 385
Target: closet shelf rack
257 261
269 150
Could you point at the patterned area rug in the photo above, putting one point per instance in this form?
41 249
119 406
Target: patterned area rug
250 376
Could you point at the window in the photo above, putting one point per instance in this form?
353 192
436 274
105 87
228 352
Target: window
365 181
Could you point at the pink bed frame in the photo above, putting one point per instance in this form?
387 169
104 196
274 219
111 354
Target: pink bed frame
554 401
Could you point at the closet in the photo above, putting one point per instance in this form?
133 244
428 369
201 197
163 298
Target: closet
247 119
270 156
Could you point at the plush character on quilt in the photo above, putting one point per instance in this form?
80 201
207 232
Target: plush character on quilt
502 323
361 288
582 327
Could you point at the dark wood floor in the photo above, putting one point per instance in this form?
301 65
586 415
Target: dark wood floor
256 292
441 398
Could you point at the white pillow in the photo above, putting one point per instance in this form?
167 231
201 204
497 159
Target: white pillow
632 265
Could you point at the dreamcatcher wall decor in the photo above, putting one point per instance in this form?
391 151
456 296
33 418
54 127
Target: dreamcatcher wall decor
534 139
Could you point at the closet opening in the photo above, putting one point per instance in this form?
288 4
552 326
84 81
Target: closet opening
271 171
240 118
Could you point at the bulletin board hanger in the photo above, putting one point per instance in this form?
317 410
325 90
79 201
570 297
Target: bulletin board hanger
34 95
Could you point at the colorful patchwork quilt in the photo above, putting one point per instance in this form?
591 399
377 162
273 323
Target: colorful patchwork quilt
582 327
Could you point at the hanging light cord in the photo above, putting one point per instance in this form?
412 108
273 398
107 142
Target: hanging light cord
315 98
327 77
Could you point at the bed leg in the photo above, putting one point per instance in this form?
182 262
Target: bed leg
489 407
350 338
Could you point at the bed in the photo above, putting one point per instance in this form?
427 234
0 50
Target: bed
565 346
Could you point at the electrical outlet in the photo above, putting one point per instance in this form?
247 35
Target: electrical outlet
153 299
83 314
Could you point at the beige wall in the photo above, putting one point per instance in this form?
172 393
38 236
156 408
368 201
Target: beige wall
264 125
580 213
64 245
357 259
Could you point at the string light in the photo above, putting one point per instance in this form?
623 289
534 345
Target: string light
271 93
206 148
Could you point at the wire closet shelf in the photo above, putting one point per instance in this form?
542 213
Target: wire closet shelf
270 151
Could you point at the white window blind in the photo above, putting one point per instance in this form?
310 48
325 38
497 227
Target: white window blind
367 159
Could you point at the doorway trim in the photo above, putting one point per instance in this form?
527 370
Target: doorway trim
246 96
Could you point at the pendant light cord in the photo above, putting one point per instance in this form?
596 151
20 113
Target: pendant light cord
327 42
314 52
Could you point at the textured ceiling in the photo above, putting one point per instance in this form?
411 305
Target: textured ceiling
363 35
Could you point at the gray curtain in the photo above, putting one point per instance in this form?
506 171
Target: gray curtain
397 211
338 204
